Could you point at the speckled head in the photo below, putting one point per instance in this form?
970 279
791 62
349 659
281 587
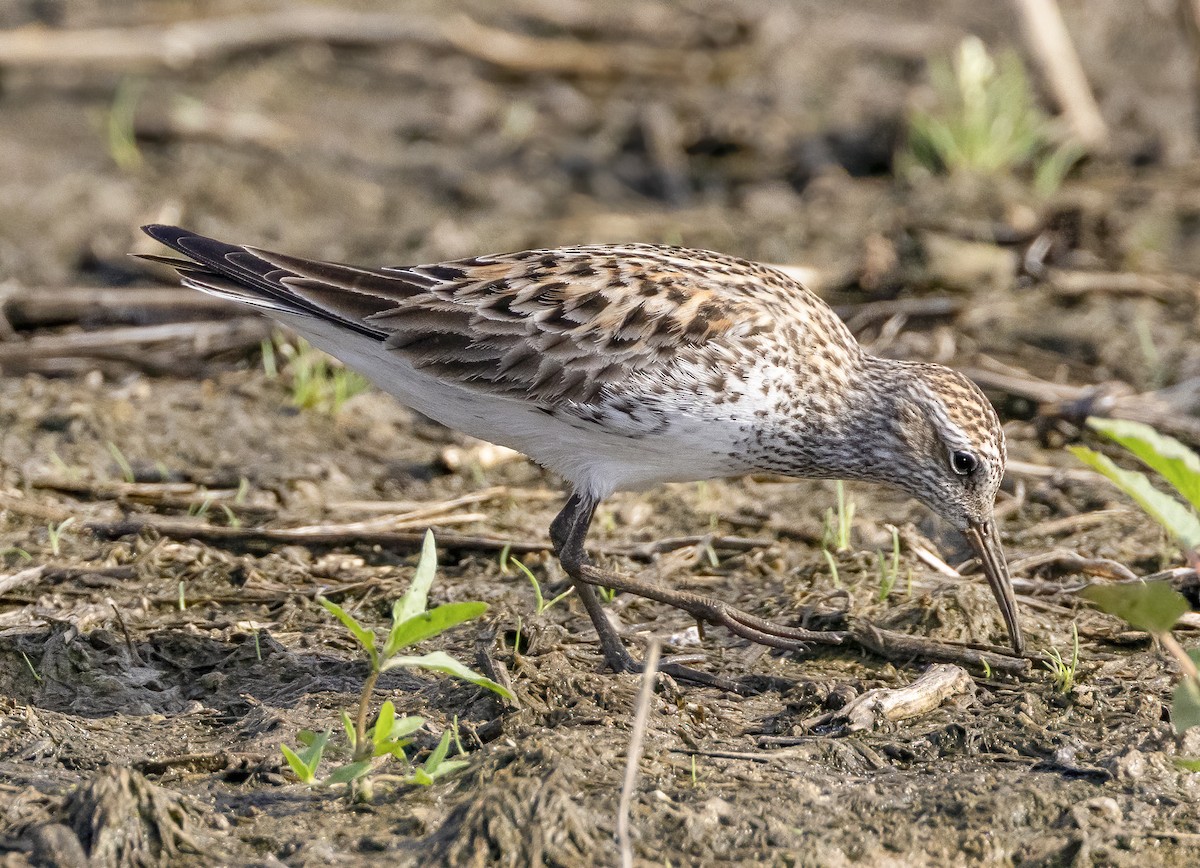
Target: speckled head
952 459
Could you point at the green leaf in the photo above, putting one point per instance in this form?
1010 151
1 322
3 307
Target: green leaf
383 725
349 772
365 637
351 730
1188 764
299 768
406 726
440 661
1185 706
1177 464
437 754
448 767
416 598
420 776
427 624
1150 606
1180 521
314 749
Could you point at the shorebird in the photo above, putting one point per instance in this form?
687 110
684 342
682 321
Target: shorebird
623 366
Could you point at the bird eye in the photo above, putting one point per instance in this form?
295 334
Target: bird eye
963 463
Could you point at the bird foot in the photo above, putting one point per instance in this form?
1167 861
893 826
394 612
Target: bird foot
704 608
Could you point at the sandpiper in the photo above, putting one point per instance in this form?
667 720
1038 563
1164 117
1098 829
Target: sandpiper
623 366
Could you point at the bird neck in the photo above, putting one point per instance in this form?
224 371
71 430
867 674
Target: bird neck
858 431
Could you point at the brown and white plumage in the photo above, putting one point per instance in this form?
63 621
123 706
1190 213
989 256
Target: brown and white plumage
620 366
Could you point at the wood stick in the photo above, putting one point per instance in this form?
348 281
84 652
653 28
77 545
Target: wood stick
137 345
1050 44
634 755
39 307
183 44
937 684
335 535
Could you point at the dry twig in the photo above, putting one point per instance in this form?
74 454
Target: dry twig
636 737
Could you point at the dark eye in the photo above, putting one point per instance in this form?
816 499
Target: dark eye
963 463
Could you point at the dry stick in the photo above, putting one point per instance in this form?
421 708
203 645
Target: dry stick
649 676
24 577
1051 46
43 306
331 535
185 43
1170 410
137 344
935 685
1189 11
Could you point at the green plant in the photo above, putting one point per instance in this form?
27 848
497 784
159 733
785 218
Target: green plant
833 568
412 622
122 462
985 121
889 572
1173 461
540 603
122 136
1155 607
318 381
54 533
1064 673
836 536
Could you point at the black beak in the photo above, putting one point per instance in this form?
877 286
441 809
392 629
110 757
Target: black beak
986 542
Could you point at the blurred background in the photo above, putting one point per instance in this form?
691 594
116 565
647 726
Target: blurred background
1010 187
926 154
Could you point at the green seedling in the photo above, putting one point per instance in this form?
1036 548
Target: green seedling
182 598
985 121
889 572
54 532
833 568
32 671
1064 673
1155 607
836 536
122 462
539 601
318 381
412 622
14 550
1178 465
122 137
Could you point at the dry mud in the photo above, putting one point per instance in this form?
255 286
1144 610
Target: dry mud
142 731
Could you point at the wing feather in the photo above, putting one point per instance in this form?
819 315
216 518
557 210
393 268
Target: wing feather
546 326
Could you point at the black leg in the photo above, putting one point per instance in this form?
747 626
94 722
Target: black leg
568 532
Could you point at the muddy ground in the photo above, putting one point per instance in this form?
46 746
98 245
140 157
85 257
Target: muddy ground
149 674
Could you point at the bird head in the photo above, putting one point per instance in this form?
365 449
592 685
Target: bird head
951 457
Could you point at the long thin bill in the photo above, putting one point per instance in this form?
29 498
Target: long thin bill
986 542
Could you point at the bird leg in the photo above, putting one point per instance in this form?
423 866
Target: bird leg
568 533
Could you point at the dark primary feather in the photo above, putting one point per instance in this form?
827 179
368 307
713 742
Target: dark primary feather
540 325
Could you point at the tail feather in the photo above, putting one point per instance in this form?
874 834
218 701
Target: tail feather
270 281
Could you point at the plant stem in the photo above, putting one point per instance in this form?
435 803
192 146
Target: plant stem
362 749
1173 647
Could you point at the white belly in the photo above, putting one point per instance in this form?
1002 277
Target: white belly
593 457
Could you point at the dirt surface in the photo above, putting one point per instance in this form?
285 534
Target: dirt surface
148 679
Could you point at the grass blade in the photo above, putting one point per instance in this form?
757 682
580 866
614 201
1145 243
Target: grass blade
1180 521
1177 464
